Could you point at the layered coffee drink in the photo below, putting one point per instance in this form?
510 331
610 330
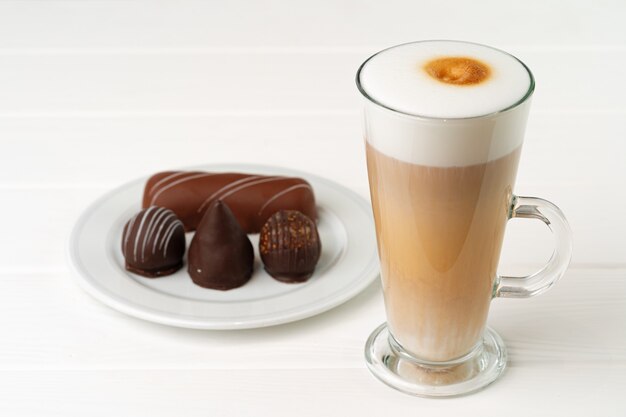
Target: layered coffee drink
444 127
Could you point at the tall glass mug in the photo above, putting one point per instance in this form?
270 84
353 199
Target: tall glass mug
444 125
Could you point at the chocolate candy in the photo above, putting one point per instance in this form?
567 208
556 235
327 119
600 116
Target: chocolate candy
153 242
220 256
252 198
290 246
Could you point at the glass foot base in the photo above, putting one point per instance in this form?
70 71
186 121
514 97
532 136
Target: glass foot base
396 368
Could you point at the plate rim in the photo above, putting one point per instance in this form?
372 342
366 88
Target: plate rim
83 277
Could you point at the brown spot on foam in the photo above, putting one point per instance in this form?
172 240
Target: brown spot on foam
458 70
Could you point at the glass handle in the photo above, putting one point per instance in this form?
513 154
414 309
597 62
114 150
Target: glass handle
542 280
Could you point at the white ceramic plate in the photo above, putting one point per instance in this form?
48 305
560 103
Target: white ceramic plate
347 265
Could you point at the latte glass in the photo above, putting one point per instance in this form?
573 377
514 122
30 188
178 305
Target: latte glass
442 193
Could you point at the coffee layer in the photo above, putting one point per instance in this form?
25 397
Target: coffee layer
439 231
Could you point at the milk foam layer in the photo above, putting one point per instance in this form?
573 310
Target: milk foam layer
397 79
446 129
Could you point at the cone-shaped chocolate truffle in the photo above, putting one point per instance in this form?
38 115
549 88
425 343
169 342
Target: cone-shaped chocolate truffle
290 246
220 254
153 242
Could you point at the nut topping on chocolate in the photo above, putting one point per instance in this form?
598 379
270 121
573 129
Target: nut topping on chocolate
290 246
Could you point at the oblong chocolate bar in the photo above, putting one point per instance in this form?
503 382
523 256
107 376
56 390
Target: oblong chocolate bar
252 198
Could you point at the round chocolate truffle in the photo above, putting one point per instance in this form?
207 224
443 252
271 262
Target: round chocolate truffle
153 242
290 246
221 256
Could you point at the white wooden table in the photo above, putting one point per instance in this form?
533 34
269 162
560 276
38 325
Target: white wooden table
93 94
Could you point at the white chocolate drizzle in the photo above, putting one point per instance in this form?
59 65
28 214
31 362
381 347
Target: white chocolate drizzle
167 237
282 193
154 221
242 185
138 235
225 188
165 179
160 225
179 181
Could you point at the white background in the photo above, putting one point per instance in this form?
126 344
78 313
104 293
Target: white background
93 94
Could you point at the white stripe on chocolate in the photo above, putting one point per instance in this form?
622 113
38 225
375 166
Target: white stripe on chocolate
163 223
154 222
176 224
168 231
180 181
165 179
283 192
249 184
131 223
138 235
225 188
